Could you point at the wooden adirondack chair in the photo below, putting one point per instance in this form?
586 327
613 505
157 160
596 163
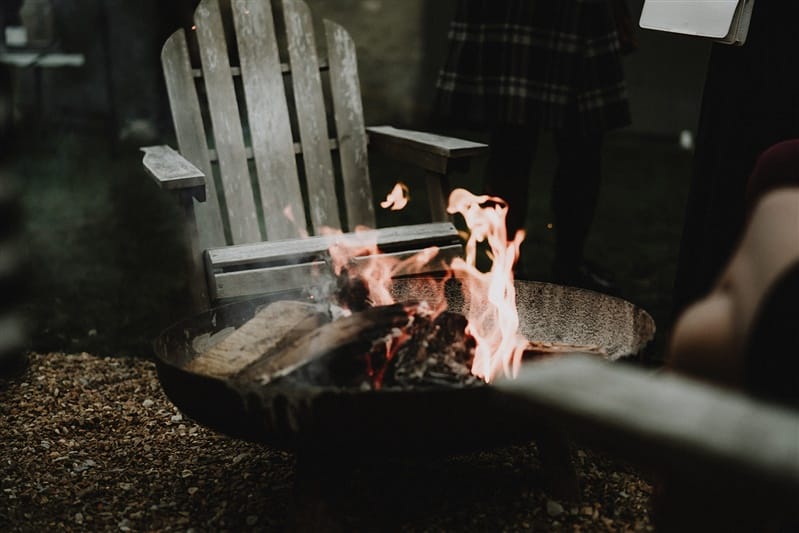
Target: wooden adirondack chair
279 129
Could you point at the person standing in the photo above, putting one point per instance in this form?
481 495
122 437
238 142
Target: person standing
750 102
515 67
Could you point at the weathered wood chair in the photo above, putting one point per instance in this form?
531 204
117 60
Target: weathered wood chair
261 151
716 437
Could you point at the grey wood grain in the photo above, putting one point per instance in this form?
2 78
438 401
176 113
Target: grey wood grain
428 142
416 236
187 120
269 279
268 117
170 169
332 145
272 327
284 68
228 136
665 420
311 119
307 274
348 113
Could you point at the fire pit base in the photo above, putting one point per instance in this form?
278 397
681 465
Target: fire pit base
423 420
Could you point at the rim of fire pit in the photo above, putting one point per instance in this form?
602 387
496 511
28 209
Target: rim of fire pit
423 419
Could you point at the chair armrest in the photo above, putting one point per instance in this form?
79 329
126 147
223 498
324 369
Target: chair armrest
172 171
665 421
432 152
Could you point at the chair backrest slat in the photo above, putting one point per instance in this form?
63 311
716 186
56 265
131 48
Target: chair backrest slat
226 124
268 118
188 122
348 111
311 119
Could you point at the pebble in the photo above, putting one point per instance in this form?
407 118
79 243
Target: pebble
147 403
125 466
554 508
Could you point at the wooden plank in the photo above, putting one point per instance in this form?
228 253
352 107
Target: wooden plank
305 275
284 69
271 279
310 357
450 147
228 136
416 236
270 129
311 119
195 264
352 140
332 144
190 132
432 162
170 169
666 419
279 323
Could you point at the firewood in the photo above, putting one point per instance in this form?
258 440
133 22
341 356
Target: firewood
333 354
278 324
539 349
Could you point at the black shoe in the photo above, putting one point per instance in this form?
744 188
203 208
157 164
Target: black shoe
586 278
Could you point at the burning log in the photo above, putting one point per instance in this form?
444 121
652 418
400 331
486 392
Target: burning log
438 352
539 349
396 346
228 351
333 354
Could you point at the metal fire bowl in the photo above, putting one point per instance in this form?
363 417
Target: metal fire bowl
300 417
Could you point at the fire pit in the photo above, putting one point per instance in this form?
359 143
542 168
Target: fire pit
309 414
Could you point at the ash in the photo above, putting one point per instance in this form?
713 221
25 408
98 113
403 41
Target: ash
437 352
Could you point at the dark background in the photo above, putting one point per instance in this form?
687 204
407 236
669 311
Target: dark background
103 244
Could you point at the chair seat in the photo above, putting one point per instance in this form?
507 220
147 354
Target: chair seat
247 269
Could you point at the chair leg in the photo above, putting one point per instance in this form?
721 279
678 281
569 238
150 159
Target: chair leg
438 195
196 277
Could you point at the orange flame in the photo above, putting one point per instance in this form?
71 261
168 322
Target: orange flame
398 198
358 252
492 314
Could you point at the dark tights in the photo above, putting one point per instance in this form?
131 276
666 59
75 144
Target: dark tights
575 188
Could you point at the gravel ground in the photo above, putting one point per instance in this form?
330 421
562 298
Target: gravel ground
91 443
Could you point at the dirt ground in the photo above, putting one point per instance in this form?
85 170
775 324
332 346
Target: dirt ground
92 444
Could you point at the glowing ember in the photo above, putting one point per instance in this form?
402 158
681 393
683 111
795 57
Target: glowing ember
289 214
397 199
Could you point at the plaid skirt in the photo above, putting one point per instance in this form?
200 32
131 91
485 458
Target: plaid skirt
555 63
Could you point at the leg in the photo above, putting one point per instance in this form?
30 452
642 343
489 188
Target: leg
575 191
510 160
